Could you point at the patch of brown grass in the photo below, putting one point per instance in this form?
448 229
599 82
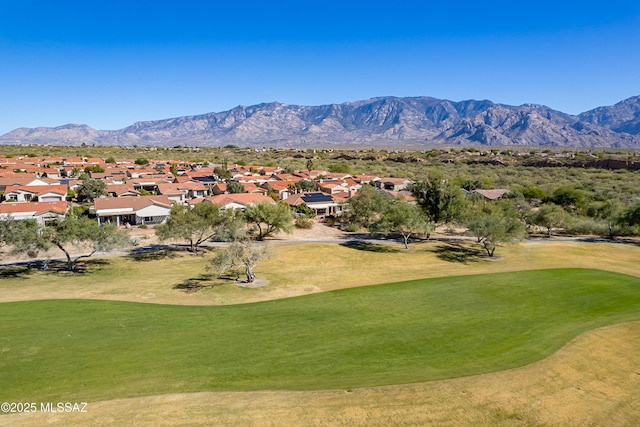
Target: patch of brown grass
594 380
303 268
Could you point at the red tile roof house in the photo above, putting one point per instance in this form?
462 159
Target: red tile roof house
132 210
42 212
286 177
122 190
250 187
173 192
194 189
39 193
180 193
348 186
23 179
238 201
219 188
282 188
147 184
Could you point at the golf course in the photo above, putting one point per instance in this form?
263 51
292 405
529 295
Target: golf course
334 323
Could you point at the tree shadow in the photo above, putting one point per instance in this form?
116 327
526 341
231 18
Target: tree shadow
81 267
153 253
458 253
197 284
369 247
17 271
623 240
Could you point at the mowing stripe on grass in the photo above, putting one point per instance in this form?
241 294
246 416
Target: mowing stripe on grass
69 350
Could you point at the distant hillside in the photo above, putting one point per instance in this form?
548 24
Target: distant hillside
377 122
622 117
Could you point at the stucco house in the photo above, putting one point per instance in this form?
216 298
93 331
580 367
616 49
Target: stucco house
36 193
323 204
395 184
132 210
41 212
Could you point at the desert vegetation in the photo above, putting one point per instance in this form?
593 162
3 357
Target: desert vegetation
449 288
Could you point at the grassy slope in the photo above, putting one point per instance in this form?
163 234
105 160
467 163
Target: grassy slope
387 334
300 269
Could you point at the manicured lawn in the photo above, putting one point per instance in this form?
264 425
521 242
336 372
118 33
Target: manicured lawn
83 350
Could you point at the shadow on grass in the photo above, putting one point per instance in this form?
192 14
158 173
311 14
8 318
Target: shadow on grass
369 247
17 272
455 252
154 253
25 269
197 284
618 240
83 266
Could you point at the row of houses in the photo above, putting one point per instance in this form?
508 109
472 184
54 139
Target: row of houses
151 210
38 188
143 194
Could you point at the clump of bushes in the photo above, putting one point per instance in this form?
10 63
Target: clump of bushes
303 223
352 228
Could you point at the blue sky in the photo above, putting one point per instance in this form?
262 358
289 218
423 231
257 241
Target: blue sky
111 63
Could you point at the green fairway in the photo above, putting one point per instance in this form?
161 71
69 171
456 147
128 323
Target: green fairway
82 350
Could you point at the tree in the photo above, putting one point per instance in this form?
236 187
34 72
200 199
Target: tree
305 210
74 231
246 254
197 224
366 207
608 211
491 230
568 197
404 218
340 167
548 216
441 200
306 185
141 161
269 218
222 172
472 184
91 189
21 236
234 187
631 216
533 192
94 169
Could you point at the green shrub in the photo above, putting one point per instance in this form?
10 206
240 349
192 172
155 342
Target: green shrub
587 226
352 228
303 223
330 221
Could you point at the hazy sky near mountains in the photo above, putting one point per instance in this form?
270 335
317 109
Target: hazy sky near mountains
110 63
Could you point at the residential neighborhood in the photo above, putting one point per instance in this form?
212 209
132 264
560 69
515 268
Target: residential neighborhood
142 192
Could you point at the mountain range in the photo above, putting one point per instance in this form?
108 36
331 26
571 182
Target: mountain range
384 121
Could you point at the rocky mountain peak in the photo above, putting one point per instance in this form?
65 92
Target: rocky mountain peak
382 121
